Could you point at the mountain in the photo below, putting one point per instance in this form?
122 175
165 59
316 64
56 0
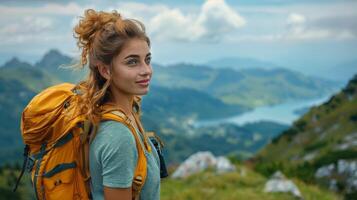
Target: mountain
53 59
239 63
33 78
324 138
186 103
246 87
16 62
59 65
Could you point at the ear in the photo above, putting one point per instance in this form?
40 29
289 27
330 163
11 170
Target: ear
104 70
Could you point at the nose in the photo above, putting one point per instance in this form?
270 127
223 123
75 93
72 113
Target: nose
146 69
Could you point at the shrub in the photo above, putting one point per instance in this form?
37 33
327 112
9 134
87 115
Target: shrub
334 156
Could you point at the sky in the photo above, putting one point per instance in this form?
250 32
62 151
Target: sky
304 35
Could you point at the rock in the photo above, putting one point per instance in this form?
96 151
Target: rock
325 171
195 163
200 161
279 183
350 141
348 169
224 165
310 156
344 170
351 136
317 129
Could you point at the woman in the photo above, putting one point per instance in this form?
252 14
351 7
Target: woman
117 52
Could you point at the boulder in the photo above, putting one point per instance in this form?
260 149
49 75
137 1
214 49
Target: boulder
200 161
279 183
224 165
344 172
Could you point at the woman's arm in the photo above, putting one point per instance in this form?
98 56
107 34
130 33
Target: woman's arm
117 193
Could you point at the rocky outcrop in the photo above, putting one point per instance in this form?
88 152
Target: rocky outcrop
343 173
279 183
348 142
200 161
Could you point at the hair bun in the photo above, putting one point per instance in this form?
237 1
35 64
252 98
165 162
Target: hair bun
88 27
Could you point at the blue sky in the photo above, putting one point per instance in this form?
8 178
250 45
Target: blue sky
308 36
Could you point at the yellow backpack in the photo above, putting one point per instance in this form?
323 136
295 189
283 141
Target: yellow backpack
57 138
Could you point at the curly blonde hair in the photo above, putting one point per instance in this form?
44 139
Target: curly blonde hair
101 36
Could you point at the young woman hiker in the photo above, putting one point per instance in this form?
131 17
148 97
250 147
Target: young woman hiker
117 53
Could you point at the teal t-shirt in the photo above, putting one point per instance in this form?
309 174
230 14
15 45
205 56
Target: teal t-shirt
112 161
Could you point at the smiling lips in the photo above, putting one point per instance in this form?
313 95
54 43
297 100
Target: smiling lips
144 82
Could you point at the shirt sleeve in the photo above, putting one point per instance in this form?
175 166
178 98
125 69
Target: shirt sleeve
116 153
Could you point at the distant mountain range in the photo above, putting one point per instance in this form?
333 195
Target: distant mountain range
239 63
249 87
341 72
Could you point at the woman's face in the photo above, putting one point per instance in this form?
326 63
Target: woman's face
132 71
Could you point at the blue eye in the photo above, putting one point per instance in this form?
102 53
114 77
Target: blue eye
148 60
132 62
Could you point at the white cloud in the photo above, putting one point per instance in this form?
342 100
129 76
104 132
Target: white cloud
28 29
217 19
295 18
212 21
31 24
140 11
48 9
173 24
28 25
298 28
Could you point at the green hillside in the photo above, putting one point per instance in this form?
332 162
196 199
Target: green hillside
34 79
185 103
323 136
246 87
8 178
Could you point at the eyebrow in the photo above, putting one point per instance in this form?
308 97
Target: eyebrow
136 56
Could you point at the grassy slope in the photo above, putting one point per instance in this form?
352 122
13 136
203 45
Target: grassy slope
208 185
8 177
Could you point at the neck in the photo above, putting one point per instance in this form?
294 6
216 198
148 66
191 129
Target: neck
123 101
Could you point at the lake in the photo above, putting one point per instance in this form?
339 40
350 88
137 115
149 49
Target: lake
284 113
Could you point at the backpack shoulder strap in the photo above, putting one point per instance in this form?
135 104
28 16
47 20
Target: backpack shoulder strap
140 171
